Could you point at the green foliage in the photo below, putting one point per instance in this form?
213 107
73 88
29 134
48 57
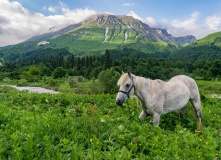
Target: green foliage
215 69
65 126
72 83
198 52
209 87
53 82
7 89
108 80
45 71
59 72
107 60
207 48
33 70
31 74
65 88
89 67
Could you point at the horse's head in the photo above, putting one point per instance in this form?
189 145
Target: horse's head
126 88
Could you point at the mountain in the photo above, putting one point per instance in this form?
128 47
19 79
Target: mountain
158 34
101 32
207 48
163 35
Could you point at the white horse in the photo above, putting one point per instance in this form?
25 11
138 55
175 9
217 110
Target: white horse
158 97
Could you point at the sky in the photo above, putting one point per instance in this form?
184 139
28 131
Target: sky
22 19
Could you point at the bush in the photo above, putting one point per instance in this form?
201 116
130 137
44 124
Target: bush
53 82
31 75
65 88
108 80
59 72
72 83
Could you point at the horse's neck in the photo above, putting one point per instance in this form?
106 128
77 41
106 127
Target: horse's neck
142 87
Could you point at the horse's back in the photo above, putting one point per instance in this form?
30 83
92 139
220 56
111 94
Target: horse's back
185 79
188 81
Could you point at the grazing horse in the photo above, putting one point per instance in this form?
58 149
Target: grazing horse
158 97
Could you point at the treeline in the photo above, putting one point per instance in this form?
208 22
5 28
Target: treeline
90 67
37 54
191 52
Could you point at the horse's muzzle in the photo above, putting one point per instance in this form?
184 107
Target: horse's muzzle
119 102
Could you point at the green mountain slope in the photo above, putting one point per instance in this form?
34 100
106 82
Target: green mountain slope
94 36
213 38
208 48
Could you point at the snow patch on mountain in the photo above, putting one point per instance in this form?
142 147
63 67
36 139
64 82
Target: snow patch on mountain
42 43
105 38
125 36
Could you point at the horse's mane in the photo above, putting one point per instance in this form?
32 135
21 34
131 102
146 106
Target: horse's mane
140 82
150 84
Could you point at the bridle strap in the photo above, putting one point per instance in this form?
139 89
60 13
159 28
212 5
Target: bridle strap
127 93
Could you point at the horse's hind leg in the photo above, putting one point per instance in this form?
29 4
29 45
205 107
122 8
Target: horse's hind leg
184 112
156 119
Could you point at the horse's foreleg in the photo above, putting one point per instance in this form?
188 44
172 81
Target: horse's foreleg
156 119
184 112
143 115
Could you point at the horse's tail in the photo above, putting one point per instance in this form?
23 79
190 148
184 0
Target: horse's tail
199 101
193 111
198 98
199 104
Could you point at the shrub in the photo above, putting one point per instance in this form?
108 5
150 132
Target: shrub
53 82
72 83
59 72
108 80
65 88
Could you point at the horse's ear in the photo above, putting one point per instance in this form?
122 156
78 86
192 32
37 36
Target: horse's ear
122 72
129 74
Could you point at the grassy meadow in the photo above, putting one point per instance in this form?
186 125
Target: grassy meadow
73 126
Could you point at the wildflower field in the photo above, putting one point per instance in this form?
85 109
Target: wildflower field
68 126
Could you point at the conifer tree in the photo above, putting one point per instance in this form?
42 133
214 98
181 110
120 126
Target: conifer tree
107 60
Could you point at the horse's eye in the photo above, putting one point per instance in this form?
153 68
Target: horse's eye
127 85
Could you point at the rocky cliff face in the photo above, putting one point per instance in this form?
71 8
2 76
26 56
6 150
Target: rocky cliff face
185 40
138 26
165 36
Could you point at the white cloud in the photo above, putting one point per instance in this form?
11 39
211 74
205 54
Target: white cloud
128 4
185 27
133 14
213 22
151 22
190 27
18 23
52 9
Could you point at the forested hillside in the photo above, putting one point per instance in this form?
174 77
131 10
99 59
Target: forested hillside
208 48
90 66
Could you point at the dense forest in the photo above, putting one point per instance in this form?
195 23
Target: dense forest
198 52
60 63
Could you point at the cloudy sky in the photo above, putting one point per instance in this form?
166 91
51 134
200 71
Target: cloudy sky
22 19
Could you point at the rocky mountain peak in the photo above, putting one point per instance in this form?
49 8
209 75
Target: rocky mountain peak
108 21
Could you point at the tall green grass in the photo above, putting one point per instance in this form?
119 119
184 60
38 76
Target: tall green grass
68 126
209 87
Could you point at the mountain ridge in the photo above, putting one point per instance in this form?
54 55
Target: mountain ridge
98 33
158 34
